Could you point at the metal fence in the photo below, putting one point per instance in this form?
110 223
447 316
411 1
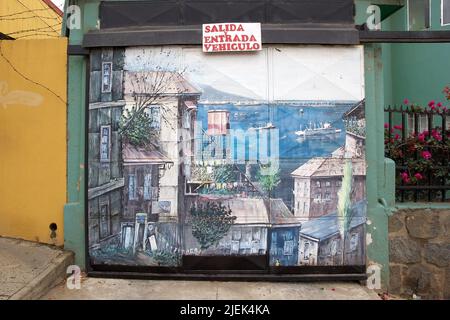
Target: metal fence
418 140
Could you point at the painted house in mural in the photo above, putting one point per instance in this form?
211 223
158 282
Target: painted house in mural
248 234
284 235
142 169
105 183
172 106
317 182
320 240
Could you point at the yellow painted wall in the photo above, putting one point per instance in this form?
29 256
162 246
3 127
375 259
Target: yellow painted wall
33 138
29 19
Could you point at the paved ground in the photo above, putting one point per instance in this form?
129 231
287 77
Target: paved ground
28 269
94 288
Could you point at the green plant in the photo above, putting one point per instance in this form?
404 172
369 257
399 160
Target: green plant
422 156
210 223
268 178
223 173
165 258
135 128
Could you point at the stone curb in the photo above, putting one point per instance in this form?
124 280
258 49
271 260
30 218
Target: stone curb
54 274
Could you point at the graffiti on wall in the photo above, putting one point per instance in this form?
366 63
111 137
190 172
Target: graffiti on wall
231 154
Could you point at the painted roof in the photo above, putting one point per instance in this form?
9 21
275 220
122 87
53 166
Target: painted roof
158 82
280 214
142 155
255 210
248 210
329 167
357 111
326 226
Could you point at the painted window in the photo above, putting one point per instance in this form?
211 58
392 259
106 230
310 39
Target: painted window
354 242
327 196
236 234
187 120
306 251
148 187
288 249
318 184
334 247
155 117
256 234
105 225
445 15
132 187
105 143
418 15
155 193
328 184
106 77
234 246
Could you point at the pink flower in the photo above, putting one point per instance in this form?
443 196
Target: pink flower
436 135
421 137
426 155
397 137
439 104
431 103
406 101
386 125
444 109
405 177
398 127
418 176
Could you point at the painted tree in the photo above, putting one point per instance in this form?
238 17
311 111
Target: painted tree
268 179
150 86
136 128
344 203
210 223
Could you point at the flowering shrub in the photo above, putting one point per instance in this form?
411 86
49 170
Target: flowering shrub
421 157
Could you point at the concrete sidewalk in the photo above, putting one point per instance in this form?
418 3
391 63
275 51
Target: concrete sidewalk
28 269
117 289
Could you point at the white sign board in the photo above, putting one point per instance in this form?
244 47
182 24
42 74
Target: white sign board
221 37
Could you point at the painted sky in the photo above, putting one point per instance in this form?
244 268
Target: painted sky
275 73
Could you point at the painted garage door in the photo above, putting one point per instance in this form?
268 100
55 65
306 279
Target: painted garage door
242 155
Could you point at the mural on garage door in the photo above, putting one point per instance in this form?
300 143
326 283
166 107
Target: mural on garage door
227 154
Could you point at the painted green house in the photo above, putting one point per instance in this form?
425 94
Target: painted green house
392 72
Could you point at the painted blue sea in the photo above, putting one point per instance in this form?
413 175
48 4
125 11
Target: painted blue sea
289 118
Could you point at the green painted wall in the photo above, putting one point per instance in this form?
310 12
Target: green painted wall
418 72
74 211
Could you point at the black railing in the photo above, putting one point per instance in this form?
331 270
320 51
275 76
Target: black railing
418 140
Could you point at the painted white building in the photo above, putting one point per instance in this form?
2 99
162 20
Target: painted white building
172 108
